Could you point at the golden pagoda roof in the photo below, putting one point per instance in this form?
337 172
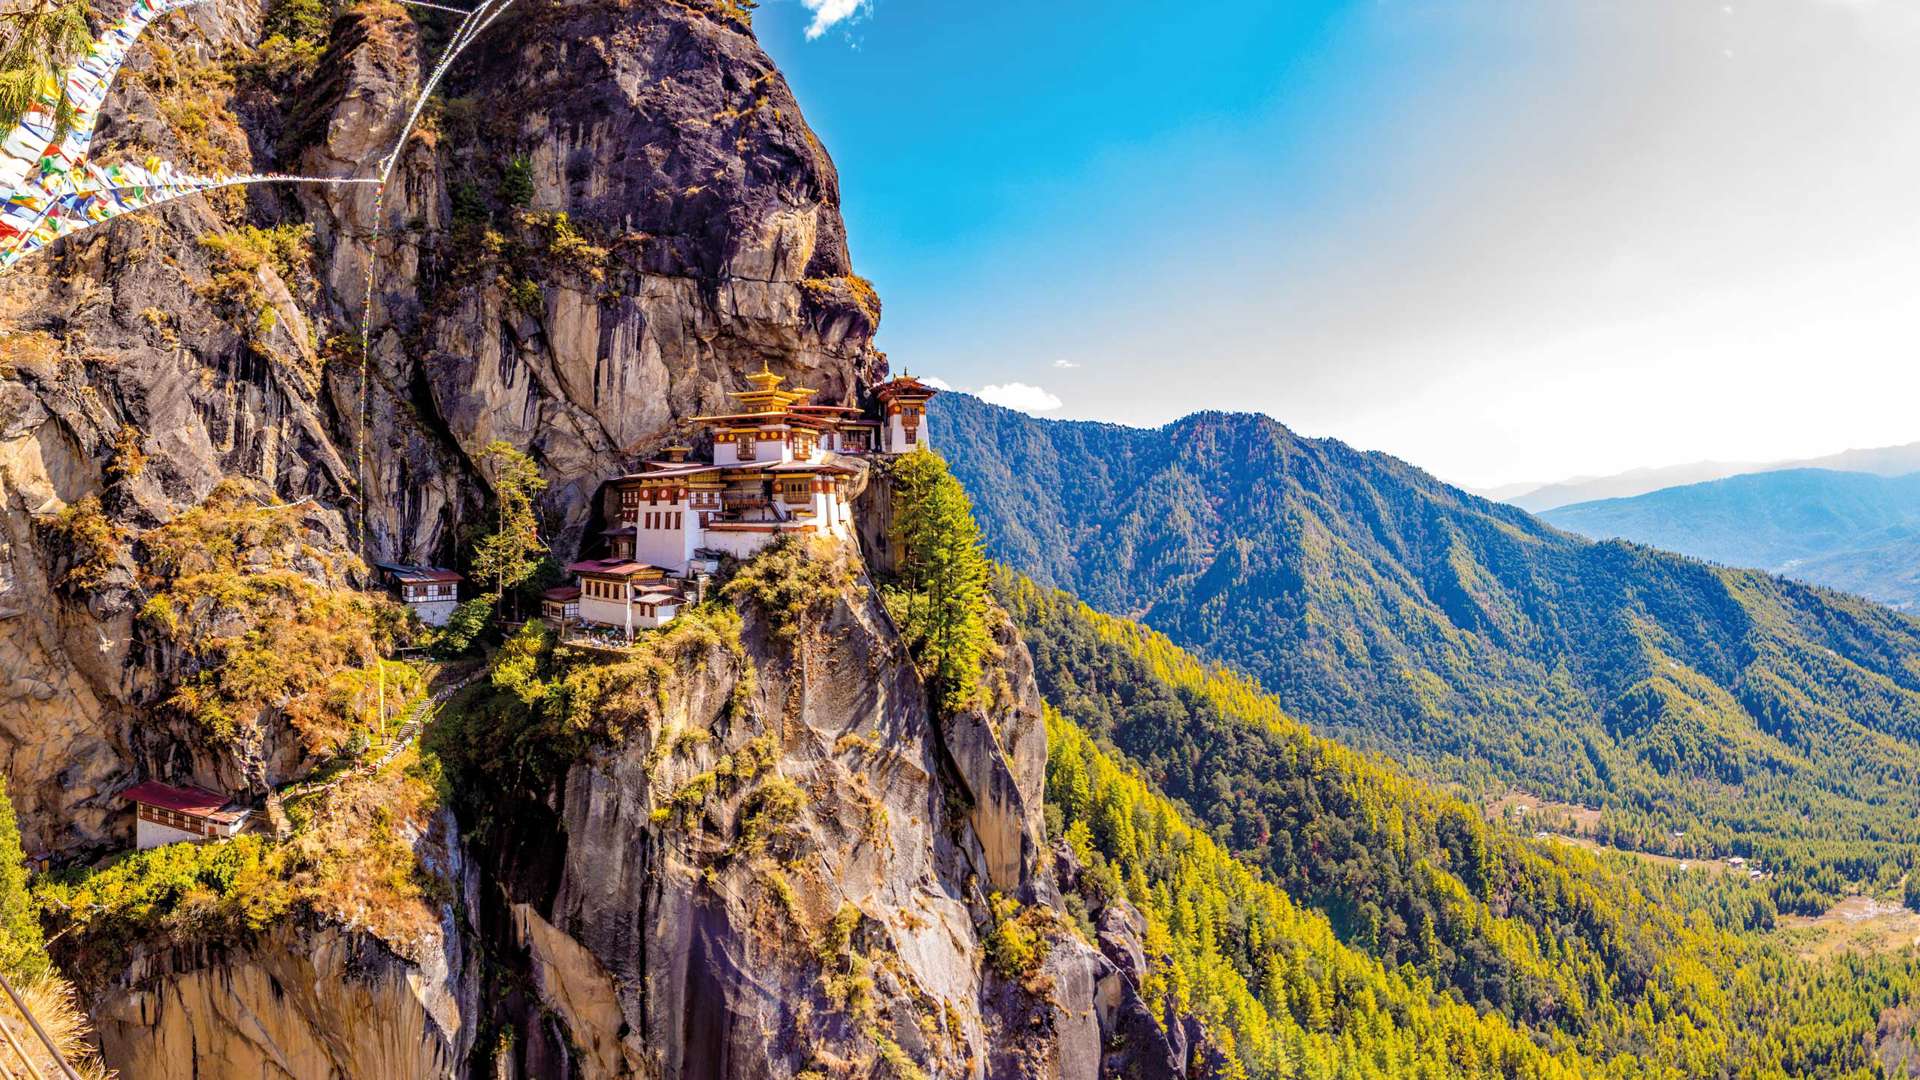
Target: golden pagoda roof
766 395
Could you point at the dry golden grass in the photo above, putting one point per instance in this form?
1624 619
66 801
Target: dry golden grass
52 1002
1857 924
357 852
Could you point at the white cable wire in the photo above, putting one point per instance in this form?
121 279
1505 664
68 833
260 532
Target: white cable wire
471 24
470 27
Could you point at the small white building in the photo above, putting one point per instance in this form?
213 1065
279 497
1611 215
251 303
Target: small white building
624 595
560 607
430 592
165 814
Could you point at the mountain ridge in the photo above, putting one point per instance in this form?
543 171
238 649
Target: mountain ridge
1472 641
1854 531
1541 497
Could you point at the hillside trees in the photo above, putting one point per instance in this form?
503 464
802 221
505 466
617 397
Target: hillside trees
22 952
941 598
1273 867
1706 711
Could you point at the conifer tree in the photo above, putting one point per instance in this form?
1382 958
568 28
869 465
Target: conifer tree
945 571
37 39
511 554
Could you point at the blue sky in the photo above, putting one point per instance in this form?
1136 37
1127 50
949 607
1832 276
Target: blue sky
1506 239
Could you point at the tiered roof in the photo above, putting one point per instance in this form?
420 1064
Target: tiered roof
767 404
905 387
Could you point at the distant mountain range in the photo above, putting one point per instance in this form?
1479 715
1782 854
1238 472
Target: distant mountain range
1470 639
1848 530
1537 497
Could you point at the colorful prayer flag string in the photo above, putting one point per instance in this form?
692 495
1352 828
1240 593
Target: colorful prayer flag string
49 187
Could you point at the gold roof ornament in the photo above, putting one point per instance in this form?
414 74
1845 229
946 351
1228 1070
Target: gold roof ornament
766 398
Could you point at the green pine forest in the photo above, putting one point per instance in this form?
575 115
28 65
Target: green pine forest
1706 711
1334 917
1324 914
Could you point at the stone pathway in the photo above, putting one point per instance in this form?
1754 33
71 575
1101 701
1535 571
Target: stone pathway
409 731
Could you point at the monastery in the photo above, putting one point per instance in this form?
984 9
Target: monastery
782 465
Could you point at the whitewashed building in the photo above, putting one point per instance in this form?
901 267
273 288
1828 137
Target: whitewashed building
430 592
625 595
903 411
560 607
165 814
782 465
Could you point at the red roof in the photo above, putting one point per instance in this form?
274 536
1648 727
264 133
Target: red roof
187 800
905 386
564 592
611 567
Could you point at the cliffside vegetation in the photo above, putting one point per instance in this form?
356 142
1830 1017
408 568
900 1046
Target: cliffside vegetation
262 626
24 961
1705 711
938 594
515 733
511 554
354 852
1633 969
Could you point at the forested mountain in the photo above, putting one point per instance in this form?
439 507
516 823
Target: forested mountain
1615 967
1706 709
1852 531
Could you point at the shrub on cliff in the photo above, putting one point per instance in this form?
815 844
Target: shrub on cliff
791 585
22 952
92 544
233 595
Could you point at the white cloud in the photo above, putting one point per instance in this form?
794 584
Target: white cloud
1065 364
935 381
1019 395
828 13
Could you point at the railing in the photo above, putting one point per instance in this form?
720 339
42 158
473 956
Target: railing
13 1042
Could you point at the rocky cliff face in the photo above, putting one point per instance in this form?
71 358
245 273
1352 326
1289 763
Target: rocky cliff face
783 865
780 867
700 238
309 1000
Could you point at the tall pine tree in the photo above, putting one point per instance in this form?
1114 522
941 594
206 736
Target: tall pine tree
511 554
944 571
